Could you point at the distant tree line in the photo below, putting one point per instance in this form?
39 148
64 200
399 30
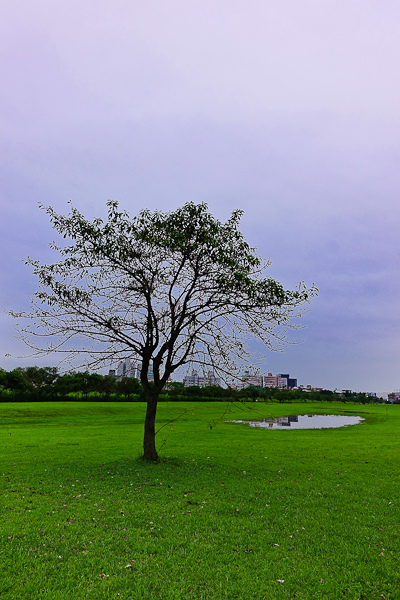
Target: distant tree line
38 384
268 394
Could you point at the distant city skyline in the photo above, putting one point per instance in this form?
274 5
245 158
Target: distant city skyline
286 110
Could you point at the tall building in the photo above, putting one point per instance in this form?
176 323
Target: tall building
250 379
201 380
270 380
286 381
282 381
131 368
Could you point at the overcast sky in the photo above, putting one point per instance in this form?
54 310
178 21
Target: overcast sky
288 110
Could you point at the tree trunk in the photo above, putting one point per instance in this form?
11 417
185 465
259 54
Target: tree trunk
149 441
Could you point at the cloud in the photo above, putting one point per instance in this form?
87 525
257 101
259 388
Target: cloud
287 110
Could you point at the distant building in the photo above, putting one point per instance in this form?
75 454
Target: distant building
250 379
282 381
394 398
270 380
201 380
286 381
131 368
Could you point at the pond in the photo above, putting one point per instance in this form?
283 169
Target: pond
305 422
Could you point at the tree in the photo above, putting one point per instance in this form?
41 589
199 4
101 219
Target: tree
15 380
167 288
127 386
40 377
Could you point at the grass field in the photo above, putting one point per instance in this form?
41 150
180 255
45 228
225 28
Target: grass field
230 512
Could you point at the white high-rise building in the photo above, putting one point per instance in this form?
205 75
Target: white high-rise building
250 379
131 368
208 378
128 368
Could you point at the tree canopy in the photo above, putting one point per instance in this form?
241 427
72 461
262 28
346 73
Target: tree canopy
168 288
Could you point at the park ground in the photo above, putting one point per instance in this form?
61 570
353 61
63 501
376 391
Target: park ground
229 512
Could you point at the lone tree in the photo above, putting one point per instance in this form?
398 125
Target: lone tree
166 288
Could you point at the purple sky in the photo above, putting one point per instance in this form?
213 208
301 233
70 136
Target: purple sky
289 110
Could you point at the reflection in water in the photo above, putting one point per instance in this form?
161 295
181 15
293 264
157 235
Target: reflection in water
305 422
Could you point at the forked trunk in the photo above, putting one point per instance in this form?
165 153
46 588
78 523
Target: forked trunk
149 441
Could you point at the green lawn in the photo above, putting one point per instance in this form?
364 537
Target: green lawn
230 512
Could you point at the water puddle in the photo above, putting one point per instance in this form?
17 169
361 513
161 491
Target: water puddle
305 422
